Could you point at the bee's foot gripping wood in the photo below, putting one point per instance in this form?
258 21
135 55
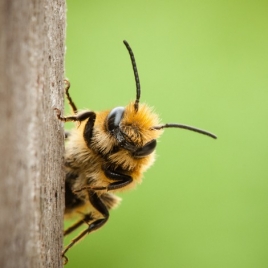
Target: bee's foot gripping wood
71 103
65 259
67 85
64 119
96 224
78 118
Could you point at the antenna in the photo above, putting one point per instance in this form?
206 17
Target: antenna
136 75
185 127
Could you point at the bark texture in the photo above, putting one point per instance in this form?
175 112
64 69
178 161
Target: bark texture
32 45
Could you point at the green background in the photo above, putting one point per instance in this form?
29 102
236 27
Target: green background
203 63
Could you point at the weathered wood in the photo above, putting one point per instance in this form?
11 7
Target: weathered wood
32 45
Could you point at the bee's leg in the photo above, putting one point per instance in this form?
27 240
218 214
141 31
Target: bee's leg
72 201
86 219
121 180
70 101
96 224
78 118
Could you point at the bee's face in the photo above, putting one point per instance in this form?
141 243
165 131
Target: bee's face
132 129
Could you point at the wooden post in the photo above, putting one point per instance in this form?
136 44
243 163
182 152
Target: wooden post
32 45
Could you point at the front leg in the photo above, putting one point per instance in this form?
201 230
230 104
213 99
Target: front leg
78 118
71 103
121 180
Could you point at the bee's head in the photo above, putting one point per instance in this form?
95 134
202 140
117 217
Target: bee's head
133 129
136 127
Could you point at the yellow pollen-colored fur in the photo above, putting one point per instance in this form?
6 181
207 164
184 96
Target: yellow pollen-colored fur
137 128
141 121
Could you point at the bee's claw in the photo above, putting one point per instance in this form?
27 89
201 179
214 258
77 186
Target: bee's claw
65 259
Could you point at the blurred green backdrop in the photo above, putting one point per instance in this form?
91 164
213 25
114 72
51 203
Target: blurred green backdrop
204 63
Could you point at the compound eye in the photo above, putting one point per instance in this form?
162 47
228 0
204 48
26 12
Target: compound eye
114 118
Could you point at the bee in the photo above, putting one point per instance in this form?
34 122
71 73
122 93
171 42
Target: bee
106 153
